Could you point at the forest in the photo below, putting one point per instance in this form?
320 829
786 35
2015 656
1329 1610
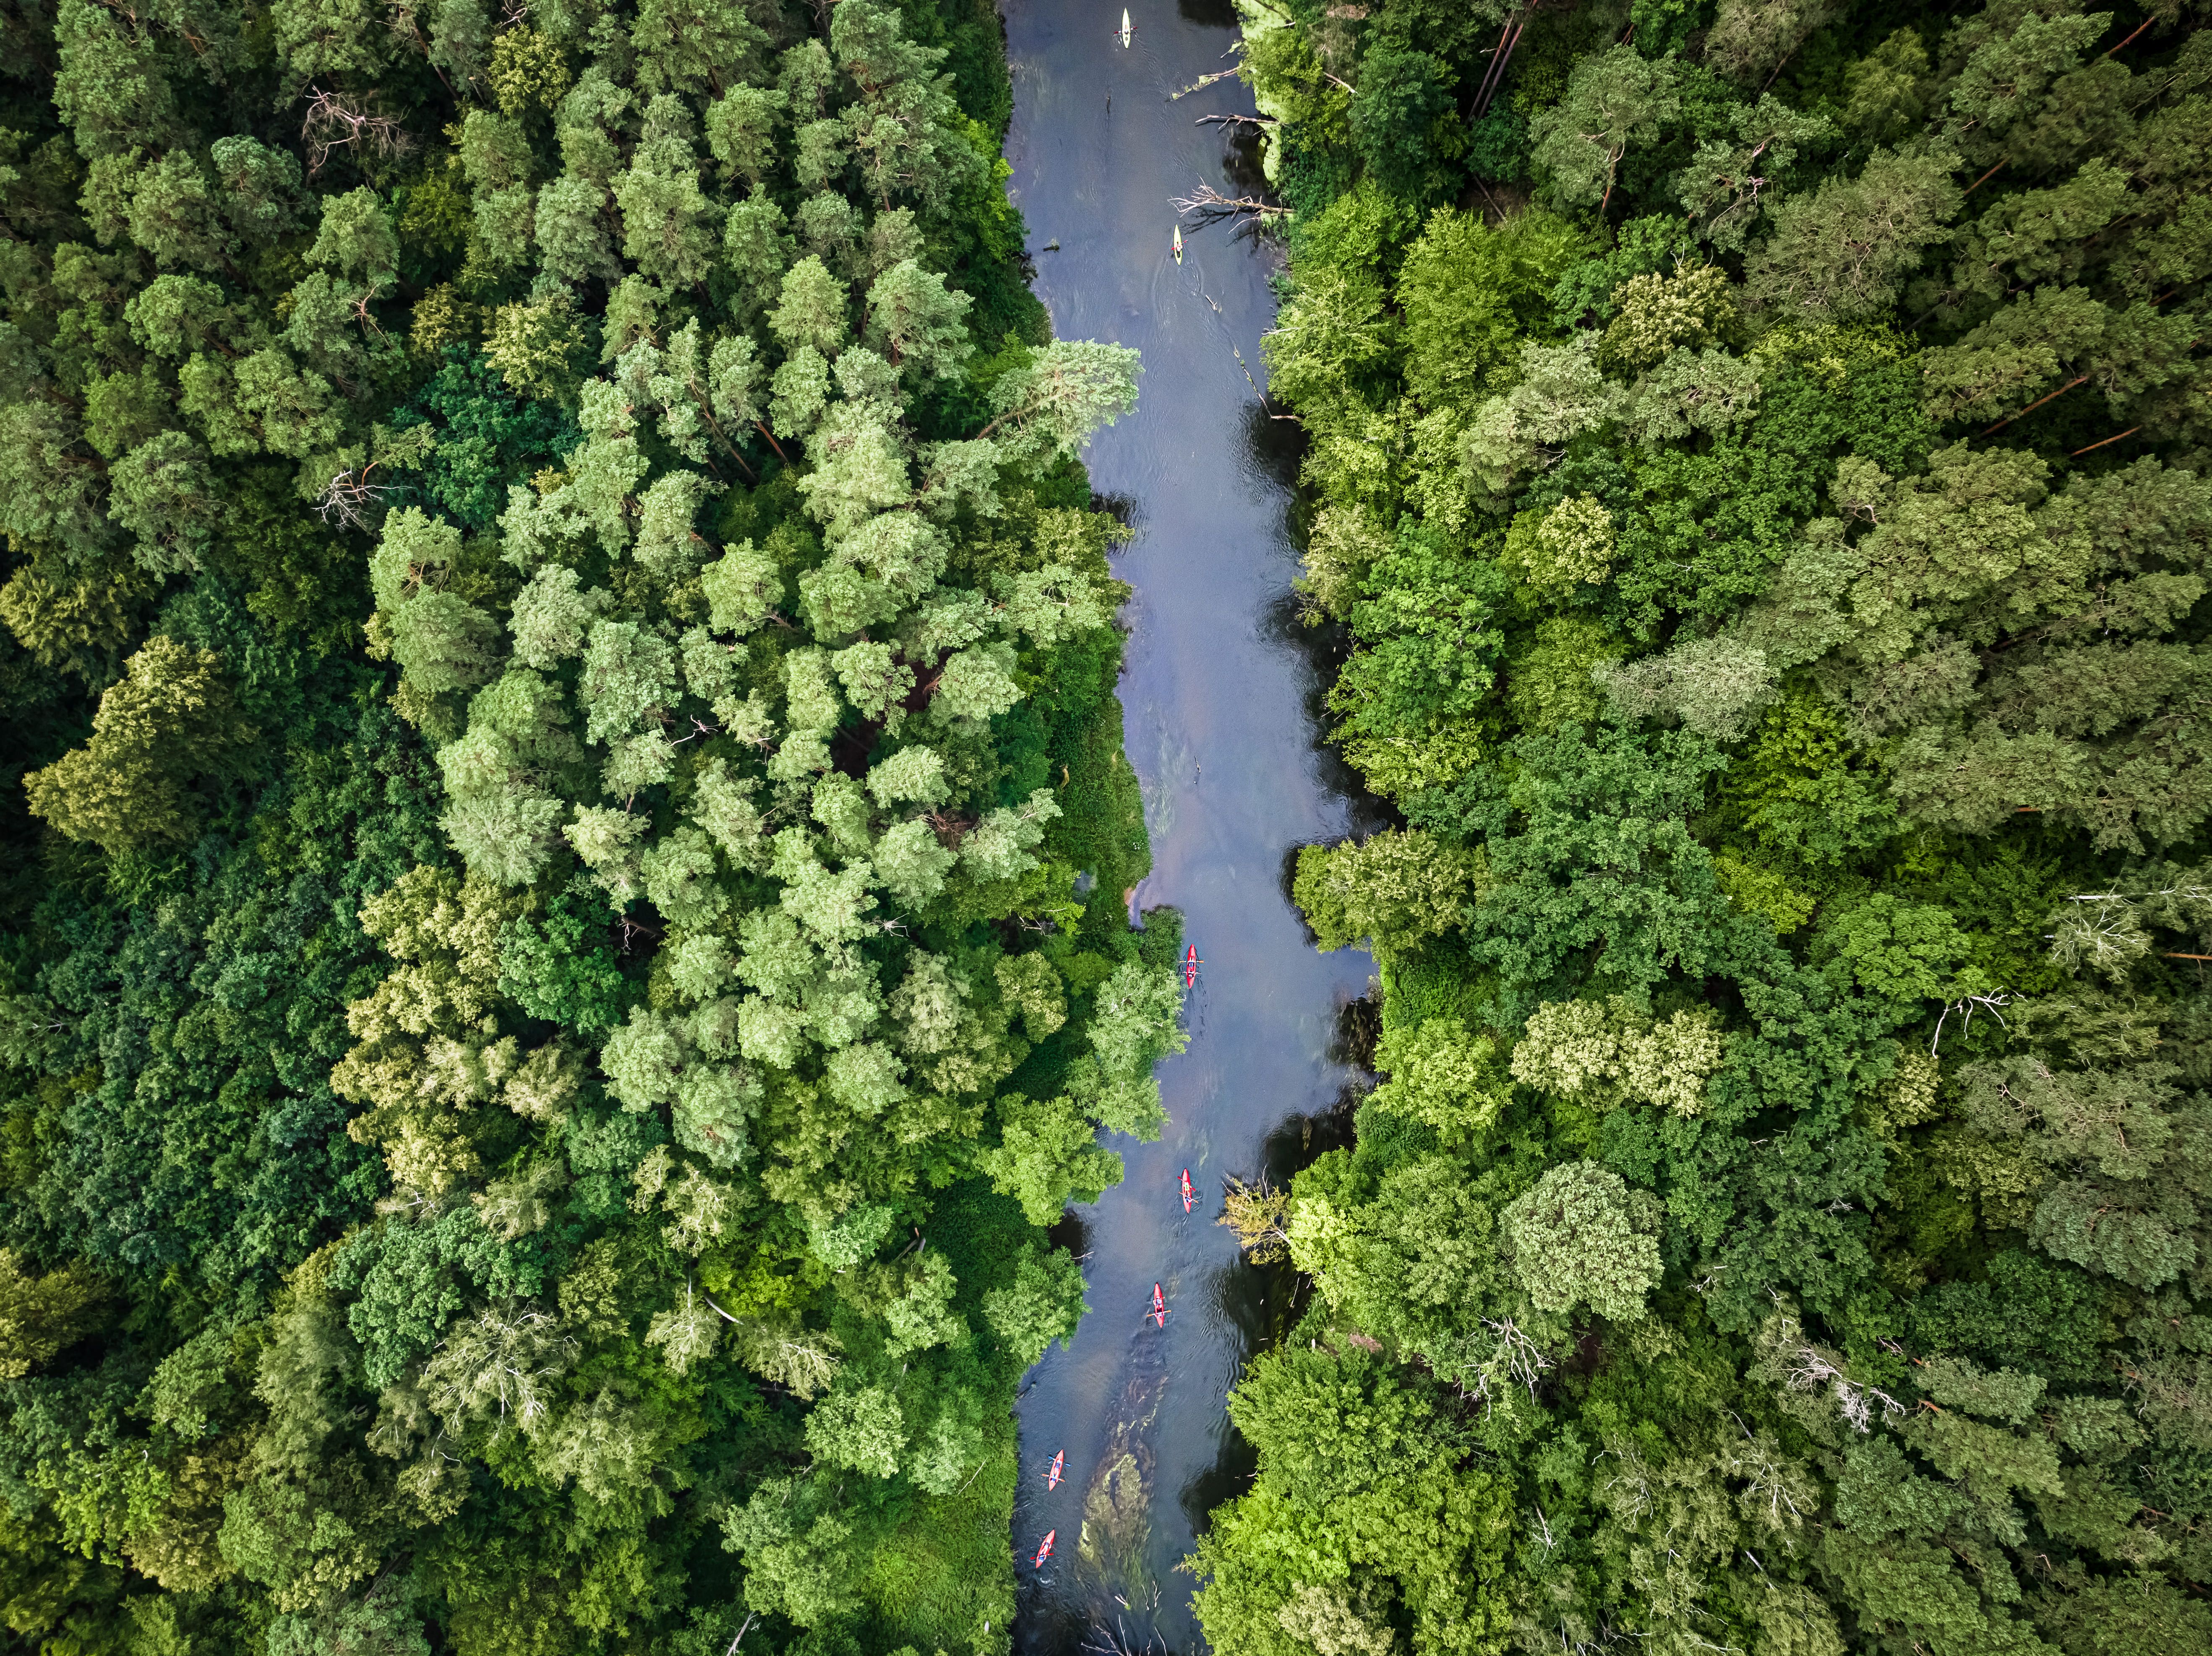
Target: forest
561 919
1757 474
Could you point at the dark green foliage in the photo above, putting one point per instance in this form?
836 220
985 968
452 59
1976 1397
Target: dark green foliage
487 438
1400 120
199 1132
563 966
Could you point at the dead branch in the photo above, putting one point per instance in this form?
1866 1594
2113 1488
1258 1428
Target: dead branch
349 498
1504 55
2115 438
2130 41
1256 1213
1209 206
2083 380
343 120
1201 83
1243 120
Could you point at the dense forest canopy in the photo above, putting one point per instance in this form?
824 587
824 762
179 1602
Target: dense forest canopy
1757 464
563 933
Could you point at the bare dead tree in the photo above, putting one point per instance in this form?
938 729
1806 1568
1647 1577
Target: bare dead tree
345 120
348 498
1500 57
1809 1368
1209 206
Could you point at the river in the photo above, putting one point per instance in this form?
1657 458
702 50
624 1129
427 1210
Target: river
1219 694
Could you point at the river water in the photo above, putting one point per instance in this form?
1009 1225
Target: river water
1219 695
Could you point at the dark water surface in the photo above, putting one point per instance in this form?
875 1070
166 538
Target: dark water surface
1219 694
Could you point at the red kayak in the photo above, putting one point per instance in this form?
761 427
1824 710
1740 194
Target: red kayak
1059 1464
1045 1551
1190 965
1188 1194
1159 1306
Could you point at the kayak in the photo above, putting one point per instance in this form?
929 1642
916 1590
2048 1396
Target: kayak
1045 1551
1188 1194
1190 965
1059 1464
1178 244
1159 1313
1125 28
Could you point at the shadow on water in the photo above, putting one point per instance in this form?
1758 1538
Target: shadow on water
1276 445
1245 162
1265 1302
1071 1233
1324 648
1208 14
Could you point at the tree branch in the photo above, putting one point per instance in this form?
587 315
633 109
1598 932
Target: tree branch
2081 380
1210 205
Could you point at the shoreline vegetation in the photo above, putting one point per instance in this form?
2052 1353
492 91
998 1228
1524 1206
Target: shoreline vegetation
559 938
1757 458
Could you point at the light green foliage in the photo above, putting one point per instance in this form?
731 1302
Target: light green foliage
1560 395
1902 950
1583 1237
41 1314
1750 38
1392 890
1352 1453
1343 544
1465 288
1841 253
1607 1054
1687 393
916 322
1041 1304
2129 1141
1066 390
1654 316
1571 544
1414 1257
743 588
589 912
1555 682
796 1551
1441 1076
1795 612
538 347
1976 548
550 617
1046 1158
1715 686
381 1622
1729 187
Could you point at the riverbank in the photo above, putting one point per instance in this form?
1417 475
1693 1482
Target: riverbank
1218 691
